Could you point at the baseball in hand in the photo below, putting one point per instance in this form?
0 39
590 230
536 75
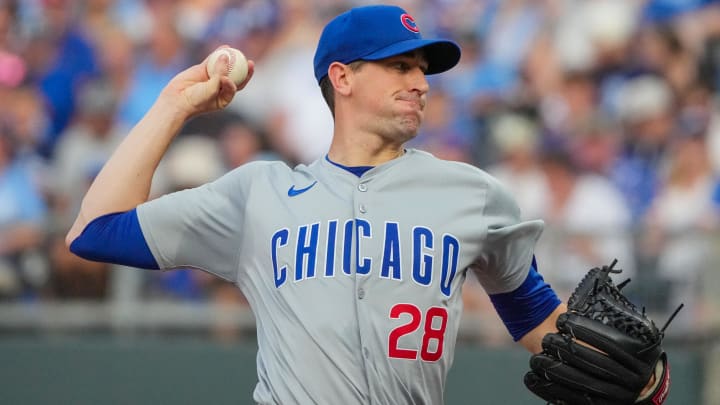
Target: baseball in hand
237 64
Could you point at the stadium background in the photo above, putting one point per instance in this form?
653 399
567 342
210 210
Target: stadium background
601 116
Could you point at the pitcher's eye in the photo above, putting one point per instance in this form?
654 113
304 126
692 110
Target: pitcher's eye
401 66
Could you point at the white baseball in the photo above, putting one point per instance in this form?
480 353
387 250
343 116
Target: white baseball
237 64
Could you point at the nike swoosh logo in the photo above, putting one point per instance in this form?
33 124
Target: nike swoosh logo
292 192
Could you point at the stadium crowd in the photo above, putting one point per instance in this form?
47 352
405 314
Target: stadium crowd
600 116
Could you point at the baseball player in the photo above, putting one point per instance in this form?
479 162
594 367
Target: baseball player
353 265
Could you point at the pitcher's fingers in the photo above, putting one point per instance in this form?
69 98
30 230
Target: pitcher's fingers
251 70
589 360
222 65
226 91
558 393
561 373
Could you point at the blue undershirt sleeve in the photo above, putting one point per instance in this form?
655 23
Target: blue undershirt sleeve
115 238
527 306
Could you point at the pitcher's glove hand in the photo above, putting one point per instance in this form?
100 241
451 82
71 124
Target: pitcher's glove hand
624 357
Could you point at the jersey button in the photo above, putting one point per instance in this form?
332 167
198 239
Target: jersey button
361 293
366 352
362 208
362 187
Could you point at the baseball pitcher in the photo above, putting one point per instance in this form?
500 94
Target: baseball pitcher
353 265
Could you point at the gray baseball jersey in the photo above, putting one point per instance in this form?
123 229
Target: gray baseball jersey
355 282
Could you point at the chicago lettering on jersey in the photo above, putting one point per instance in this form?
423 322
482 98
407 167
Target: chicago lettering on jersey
429 253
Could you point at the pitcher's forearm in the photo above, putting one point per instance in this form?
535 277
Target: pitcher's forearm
125 179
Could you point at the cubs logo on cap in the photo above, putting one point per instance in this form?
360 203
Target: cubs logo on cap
373 33
409 22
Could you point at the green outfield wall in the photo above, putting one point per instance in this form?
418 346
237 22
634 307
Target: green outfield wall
98 371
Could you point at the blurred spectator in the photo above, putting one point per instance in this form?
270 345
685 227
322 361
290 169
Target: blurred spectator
514 22
678 223
246 25
160 58
647 106
587 224
194 16
84 147
29 121
472 97
70 57
570 108
517 140
22 224
594 35
541 73
596 146
116 57
605 30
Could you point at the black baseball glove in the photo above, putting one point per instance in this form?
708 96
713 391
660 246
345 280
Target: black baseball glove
626 350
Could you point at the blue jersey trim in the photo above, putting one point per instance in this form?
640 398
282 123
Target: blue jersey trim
115 238
527 306
356 170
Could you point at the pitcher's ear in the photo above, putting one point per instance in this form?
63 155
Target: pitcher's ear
340 76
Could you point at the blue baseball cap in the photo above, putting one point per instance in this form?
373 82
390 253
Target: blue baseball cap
378 32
